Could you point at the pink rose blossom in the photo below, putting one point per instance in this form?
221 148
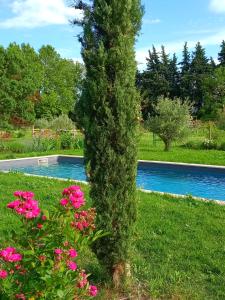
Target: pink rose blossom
64 202
58 251
72 265
93 291
3 274
73 253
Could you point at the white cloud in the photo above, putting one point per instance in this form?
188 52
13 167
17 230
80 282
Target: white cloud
37 13
151 21
217 6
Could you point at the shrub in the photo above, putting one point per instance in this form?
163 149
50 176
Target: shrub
16 147
20 133
42 123
172 121
40 144
222 146
67 141
209 145
42 262
221 120
193 145
61 123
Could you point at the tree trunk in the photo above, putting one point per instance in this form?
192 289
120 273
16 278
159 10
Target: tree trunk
121 274
167 145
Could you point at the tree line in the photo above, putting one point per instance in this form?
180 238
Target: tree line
36 84
196 78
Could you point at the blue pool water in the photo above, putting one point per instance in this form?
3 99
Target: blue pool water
199 182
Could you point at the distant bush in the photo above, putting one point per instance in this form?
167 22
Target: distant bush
222 146
67 141
16 147
42 123
61 123
221 120
209 145
40 144
193 145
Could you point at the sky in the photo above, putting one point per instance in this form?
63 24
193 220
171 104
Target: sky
167 22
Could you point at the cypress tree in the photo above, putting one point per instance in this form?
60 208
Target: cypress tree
221 55
174 78
185 74
110 109
200 68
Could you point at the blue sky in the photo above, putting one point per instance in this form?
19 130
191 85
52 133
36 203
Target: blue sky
168 22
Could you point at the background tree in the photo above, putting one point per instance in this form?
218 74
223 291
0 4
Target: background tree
171 122
60 86
110 104
214 95
221 55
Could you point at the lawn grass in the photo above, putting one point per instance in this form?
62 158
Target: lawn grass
147 150
178 248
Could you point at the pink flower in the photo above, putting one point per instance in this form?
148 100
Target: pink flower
13 204
73 253
79 226
84 213
9 254
58 251
72 265
93 291
3 274
64 202
20 296
74 188
44 218
15 257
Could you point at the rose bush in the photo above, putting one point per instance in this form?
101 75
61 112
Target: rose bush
43 264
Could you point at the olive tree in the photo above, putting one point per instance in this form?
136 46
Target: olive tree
172 120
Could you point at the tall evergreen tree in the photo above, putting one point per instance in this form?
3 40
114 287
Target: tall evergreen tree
185 73
110 106
174 78
221 55
200 68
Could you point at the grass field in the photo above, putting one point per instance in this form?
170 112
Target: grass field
178 249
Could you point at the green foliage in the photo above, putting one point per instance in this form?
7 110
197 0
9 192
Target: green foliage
61 85
209 145
171 122
214 95
221 120
110 111
36 85
42 123
62 123
67 140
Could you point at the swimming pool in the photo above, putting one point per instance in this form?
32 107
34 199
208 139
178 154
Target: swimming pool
181 179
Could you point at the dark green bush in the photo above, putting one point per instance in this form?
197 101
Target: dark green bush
209 145
67 140
193 145
20 134
16 147
222 146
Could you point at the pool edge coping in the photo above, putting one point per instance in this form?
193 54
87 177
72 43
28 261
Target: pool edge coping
139 160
